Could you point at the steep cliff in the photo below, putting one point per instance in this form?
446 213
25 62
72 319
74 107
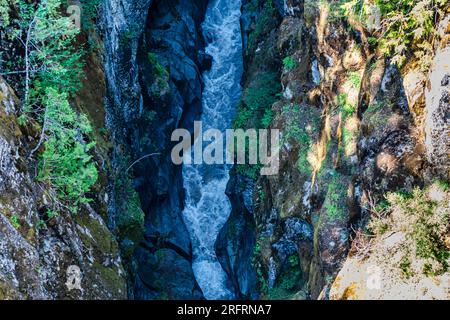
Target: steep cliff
152 63
155 57
354 128
37 250
358 210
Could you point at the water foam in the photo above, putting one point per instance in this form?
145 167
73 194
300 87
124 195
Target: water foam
207 206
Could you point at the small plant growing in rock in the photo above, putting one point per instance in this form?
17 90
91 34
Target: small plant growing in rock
267 118
289 281
51 214
406 28
346 107
354 79
422 216
15 221
161 76
335 201
289 63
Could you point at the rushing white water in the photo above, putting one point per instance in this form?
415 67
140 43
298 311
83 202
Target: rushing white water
207 206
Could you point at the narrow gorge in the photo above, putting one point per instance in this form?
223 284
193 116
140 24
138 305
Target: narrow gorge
207 207
358 89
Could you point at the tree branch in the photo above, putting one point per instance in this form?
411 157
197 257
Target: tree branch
140 159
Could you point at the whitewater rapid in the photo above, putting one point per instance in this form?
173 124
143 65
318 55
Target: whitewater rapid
207 207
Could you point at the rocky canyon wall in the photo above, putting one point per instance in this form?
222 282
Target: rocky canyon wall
354 128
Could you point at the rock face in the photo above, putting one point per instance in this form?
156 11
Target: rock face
155 58
153 62
352 127
437 95
36 252
236 241
404 158
372 271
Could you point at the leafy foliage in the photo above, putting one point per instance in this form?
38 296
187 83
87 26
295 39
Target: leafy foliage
161 75
58 64
289 281
407 27
267 118
15 221
89 13
347 108
295 115
66 162
289 63
5 8
335 202
255 110
262 92
263 22
354 78
422 216
52 70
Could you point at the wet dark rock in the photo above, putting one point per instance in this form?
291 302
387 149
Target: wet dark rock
205 61
445 80
284 249
173 34
181 285
298 230
155 56
236 241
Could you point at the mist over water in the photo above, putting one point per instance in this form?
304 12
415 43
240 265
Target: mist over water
207 206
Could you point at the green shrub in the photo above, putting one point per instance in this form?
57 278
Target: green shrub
296 129
255 110
160 71
243 116
289 63
408 27
15 221
424 222
251 171
89 13
5 10
161 75
262 92
444 185
267 118
130 222
347 108
354 79
289 281
66 163
372 41
263 23
405 267
261 196
336 199
52 71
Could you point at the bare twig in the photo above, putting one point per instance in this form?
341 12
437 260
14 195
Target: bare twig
42 137
27 60
140 159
